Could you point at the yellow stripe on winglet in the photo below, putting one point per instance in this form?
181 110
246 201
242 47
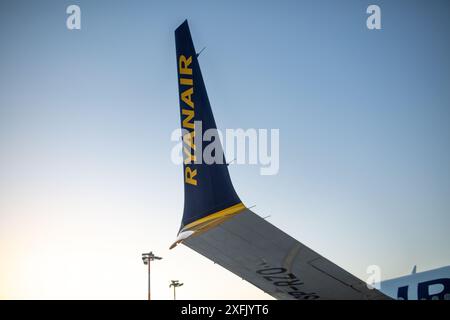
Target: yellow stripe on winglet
217 215
208 222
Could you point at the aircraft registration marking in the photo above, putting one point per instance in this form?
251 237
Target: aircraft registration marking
281 278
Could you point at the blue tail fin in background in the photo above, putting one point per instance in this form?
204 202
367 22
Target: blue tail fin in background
208 191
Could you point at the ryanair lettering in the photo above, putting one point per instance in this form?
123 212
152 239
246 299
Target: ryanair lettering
187 116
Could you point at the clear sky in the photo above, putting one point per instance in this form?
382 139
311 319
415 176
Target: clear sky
86 180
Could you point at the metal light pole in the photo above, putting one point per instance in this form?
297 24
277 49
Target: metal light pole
175 284
147 258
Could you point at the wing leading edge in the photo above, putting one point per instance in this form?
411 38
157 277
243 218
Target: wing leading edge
217 224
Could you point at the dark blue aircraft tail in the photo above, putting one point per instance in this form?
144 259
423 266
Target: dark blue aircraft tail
209 196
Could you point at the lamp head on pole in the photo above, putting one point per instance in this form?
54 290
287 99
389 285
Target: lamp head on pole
150 256
175 283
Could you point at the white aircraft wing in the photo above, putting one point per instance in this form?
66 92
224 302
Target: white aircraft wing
257 251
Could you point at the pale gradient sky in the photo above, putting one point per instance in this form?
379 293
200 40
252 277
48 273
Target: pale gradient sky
86 181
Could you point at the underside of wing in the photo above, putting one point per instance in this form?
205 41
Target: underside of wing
257 251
